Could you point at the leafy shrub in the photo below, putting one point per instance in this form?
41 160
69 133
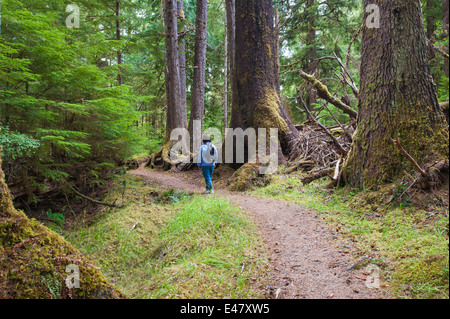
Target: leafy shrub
16 145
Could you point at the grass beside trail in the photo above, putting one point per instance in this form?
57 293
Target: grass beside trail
409 245
181 246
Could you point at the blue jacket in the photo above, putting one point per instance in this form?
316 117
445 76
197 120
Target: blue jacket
201 161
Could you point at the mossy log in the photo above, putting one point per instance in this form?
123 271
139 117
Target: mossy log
34 259
323 93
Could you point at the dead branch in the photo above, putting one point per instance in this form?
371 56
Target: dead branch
438 50
323 93
346 77
410 158
333 138
95 201
350 45
317 175
300 164
339 124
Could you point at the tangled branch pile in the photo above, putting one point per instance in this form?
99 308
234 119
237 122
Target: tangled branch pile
316 152
321 151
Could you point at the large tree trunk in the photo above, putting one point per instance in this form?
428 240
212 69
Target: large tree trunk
31 254
397 99
258 103
198 87
277 51
182 57
225 78
311 43
176 114
445 26
430 28
231 38
176 111
119 52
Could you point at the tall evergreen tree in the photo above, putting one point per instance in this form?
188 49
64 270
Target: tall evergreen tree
198 91
256 101
176 114
398 99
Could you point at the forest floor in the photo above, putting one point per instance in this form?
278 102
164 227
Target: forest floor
307 259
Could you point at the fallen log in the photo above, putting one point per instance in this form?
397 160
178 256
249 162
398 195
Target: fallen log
94 200
317 175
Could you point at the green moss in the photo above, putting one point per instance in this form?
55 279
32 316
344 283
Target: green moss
246 178
267 112
34 259
375 159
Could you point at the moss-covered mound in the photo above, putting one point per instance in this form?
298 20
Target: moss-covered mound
246 178
34 259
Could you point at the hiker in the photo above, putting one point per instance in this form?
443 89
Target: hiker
207 157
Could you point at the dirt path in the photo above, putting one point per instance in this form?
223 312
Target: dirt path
306 260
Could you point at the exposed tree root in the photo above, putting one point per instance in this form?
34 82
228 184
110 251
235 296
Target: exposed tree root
162 159
113 205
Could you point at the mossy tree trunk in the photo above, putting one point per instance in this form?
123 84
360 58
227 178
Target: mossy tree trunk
34 259
256 102
398 99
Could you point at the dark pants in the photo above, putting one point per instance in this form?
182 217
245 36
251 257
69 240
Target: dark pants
207 174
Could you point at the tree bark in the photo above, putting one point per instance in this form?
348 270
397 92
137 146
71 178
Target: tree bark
231 37
397 99
176 114
311 43
277 51
198 88
430 29
445 27
225 77
182 57
445 16
258 104
119 52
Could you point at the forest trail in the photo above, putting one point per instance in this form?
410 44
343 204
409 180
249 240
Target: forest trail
305 260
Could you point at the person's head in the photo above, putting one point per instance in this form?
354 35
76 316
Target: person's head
206 138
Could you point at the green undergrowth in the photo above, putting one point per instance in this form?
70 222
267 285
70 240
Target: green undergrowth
410 245
169 244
